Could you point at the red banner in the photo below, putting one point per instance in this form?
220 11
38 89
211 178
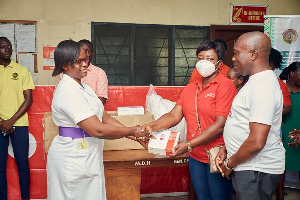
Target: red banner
247 14
174 179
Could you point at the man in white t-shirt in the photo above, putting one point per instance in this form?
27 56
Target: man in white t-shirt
255 156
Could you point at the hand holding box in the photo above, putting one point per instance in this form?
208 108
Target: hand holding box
164 142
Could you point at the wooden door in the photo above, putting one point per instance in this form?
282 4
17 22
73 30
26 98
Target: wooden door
230 33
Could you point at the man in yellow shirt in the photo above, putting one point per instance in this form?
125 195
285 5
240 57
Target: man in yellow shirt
16 87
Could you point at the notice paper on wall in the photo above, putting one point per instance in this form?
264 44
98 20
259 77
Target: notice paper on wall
26 37
27 60
8 31
48 57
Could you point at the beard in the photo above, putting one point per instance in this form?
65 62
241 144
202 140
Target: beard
5 59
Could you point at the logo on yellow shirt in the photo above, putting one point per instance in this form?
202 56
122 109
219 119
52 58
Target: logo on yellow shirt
15 76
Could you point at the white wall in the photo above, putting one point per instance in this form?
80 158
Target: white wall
63 19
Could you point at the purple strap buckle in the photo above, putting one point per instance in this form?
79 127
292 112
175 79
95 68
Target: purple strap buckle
72 132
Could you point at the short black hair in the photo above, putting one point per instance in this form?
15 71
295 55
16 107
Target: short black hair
210 44
85 41
5 38
223 42
276 58
66 52
244 78
291 68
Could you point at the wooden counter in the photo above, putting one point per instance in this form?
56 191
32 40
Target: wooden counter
123 171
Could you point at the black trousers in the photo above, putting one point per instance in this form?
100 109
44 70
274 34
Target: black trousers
256 185
20 143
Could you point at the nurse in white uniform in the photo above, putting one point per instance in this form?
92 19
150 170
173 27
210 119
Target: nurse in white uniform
75 159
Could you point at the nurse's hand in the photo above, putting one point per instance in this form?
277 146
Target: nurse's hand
144 143
147 128
140 133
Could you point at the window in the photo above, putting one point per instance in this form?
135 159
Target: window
136 54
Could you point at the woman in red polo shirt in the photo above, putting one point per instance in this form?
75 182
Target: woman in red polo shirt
215 94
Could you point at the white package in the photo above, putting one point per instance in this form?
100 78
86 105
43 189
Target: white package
164 142
158 106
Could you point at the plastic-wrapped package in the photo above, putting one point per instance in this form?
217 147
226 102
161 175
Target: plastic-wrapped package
158 106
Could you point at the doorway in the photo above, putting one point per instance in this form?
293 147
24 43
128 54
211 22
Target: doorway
230 33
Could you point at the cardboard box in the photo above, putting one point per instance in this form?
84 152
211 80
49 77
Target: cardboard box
51 130
128 120
131 110
163 143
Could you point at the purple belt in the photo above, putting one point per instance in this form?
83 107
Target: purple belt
72 132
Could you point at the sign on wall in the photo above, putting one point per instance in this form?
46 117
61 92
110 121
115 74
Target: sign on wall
247 14
284 30
48 57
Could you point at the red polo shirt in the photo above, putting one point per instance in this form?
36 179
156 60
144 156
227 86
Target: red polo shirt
285 93
214 99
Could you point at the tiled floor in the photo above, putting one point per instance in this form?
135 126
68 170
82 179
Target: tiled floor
166 198
291 194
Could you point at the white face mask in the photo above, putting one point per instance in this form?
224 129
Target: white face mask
206 68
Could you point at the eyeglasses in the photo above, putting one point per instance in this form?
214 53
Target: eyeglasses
80 61
89 51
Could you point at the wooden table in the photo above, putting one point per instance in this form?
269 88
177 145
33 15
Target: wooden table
123 171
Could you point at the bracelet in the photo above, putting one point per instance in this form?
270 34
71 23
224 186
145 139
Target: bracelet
226 164
190 148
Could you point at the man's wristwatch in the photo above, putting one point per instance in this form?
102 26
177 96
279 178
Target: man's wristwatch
190 148
226 164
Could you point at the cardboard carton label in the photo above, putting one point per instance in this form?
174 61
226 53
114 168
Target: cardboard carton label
131 110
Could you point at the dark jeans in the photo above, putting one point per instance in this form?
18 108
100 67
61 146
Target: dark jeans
256 185
20 143
209 186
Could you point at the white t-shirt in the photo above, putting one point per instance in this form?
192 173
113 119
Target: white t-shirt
260 100
73 103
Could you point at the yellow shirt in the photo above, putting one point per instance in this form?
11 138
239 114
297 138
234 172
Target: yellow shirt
14 79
